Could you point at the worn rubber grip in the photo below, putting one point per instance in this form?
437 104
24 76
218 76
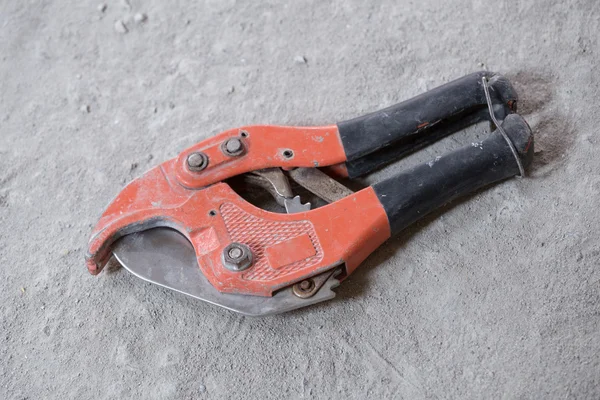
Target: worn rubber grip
413 194
402 148
419 115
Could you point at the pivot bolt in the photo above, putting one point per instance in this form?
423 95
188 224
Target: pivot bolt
305 289
235 253
232 147
197 161
237 257
305 285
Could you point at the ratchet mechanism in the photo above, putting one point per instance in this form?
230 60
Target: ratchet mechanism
182 226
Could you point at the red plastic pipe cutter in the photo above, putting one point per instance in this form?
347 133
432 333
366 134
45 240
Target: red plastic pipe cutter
182 226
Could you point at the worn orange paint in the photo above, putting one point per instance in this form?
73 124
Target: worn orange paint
290 251
265 146
345 231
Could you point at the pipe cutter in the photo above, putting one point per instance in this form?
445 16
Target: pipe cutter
182 226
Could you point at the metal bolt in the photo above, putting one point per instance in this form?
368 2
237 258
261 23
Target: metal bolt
233 147
305 289
235 253
237 257
197 161
305 285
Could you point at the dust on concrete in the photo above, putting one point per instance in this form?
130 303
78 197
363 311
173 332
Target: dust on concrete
496 296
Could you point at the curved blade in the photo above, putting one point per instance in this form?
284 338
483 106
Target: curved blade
165 257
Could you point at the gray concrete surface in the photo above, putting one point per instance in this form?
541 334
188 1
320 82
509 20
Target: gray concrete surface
494 297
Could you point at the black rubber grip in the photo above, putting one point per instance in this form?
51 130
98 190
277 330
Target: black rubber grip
415 193
419 115
373 161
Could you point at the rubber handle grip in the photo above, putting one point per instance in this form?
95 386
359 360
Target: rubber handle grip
417 116
373 161
413 194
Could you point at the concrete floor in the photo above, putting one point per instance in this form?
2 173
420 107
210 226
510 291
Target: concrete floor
497 296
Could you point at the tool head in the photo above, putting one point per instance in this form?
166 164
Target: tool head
284 248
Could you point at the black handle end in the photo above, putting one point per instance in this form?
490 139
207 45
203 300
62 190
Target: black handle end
382 136
521 136
413 194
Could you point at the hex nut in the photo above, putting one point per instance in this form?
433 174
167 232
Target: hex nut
237 257
197 161
233 147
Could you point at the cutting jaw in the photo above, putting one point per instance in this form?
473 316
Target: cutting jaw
166 258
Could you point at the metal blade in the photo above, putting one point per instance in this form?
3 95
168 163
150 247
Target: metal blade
273 180
276 183
319 183
295 205
165 257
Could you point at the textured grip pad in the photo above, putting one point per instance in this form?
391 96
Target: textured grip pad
261 235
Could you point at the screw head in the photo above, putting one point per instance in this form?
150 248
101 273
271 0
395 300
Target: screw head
305 289
233 147
235 253
197 161
305 285
237 257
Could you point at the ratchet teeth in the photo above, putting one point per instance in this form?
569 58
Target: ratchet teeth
294 205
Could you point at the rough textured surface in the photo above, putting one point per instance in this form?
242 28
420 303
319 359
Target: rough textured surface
496 296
